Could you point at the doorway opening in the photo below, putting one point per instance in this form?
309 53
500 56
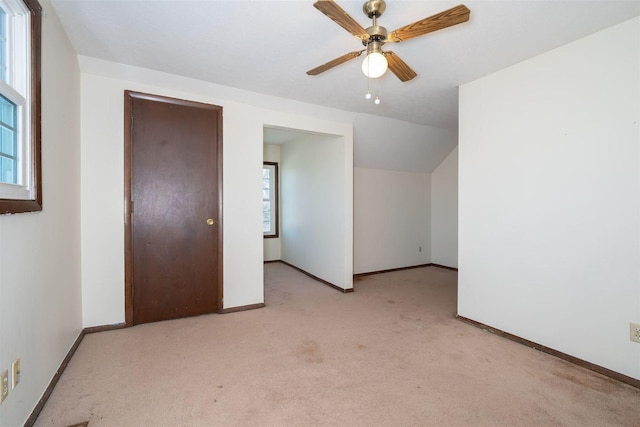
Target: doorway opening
315 204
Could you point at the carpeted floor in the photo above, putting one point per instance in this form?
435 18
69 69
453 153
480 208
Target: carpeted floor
389 354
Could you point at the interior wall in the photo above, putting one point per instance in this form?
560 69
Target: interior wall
316 194
549 207
444 212
391 219
271 246
40 304
102 89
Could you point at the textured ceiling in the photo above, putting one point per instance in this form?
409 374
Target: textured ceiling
266 46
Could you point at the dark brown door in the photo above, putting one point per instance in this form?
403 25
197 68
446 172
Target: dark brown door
174 214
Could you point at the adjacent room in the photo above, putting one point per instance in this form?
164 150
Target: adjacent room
311 220
451 239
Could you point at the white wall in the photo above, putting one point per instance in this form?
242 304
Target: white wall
549 198
391 219
271 246
444 212
317 192
40 311
103 84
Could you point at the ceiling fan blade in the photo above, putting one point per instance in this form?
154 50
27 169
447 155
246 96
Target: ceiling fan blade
340 17
344 58
455 15
399 67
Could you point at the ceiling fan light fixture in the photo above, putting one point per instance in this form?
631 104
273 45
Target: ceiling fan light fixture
374 65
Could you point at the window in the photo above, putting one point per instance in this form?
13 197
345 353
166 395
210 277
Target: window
270 199
8 142
20 47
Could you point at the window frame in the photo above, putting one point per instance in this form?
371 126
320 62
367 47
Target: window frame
32 149
275 206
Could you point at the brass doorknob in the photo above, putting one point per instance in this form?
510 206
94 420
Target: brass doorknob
210 221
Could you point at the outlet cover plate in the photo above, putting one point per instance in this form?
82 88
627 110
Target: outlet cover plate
634 332
4 385
15 373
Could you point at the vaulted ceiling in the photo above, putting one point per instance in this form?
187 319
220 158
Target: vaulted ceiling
267 46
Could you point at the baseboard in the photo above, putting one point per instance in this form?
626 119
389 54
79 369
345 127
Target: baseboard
369 273
103 328
242 308
344 291
271 261
47 393
445 267
564 356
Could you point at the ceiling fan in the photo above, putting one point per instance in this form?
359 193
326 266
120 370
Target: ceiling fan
374 37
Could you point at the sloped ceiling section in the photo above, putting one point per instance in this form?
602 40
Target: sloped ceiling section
383 143
267 46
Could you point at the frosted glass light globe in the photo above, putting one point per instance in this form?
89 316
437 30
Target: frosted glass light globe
374 65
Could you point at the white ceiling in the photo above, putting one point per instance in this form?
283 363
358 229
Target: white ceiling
267 46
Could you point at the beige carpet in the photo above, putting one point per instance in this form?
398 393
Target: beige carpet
389 354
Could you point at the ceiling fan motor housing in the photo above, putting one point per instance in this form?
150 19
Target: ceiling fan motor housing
376 33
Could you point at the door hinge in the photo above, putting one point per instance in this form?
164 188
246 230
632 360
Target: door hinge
133 292
131 206
131 122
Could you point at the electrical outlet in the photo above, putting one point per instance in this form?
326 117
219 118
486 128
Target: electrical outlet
15 373
4 385
634 332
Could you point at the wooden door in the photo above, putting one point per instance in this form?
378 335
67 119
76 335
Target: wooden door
173 185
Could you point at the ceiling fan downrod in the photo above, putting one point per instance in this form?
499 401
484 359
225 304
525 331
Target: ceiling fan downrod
374 9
